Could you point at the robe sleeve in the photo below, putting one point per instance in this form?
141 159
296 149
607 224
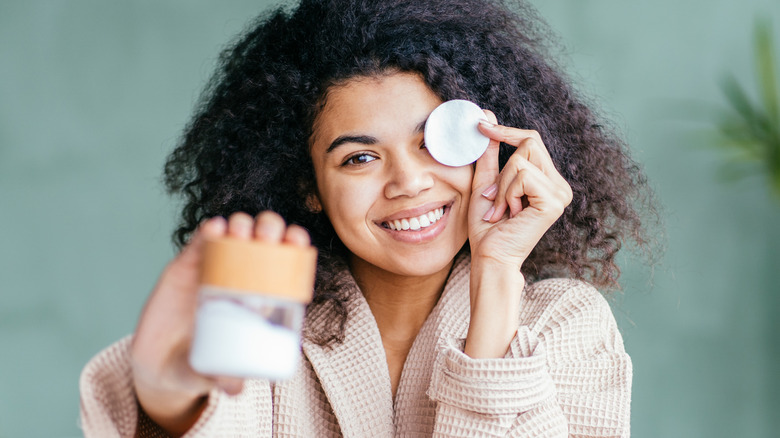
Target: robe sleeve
109 407
566 374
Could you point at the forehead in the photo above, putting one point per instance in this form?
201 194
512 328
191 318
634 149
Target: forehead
376 105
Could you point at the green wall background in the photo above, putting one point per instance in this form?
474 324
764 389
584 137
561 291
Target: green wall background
94 94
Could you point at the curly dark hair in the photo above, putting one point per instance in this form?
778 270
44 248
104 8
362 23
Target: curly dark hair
247 147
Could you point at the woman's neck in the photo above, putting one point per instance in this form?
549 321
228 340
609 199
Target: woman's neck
400 304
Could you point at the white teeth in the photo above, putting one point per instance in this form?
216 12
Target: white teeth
415 223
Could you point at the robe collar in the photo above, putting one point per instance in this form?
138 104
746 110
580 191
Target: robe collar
354 373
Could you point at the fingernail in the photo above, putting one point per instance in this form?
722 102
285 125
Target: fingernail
490 191
486 124
489 213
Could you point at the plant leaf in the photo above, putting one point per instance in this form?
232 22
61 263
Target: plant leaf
765 67
749 133
738 99
733 172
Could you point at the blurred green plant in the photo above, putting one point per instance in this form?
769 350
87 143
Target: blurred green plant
750 132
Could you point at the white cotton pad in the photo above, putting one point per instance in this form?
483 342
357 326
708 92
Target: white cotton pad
451 133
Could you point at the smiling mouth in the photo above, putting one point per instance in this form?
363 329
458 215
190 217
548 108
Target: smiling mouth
416 223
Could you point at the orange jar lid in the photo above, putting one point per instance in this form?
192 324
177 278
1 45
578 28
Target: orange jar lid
254 267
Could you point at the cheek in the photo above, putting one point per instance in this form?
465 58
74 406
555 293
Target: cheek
347 201
460 178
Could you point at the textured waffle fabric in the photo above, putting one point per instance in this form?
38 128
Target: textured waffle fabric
566 373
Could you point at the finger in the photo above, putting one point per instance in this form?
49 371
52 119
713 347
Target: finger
507 134
486 168
532 189
208 229
240 225
512 178
231 385
533 150
269 227
297 235
213 228
528 142
490 192
505 179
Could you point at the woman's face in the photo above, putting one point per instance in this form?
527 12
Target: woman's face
392 205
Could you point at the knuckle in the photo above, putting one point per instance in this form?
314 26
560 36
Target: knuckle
528 141
523 173
515 161
565 195
533 144
524 145
569 194
555 209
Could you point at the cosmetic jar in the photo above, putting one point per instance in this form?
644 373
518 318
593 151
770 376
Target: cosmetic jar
250 308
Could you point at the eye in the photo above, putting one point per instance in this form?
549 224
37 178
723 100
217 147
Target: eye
358 159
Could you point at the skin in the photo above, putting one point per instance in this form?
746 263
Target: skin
377 169
385 172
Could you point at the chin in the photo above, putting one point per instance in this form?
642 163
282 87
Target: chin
421 266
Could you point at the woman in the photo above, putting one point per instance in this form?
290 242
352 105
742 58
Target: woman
314 122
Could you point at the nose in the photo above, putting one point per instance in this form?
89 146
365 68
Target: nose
408 176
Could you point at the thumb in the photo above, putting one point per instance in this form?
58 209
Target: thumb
230 385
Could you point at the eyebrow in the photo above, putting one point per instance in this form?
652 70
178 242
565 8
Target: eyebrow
340 140
365 139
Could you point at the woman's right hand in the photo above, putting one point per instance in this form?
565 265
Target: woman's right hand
170 392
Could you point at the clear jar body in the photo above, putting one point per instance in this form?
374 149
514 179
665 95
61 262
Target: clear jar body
246 335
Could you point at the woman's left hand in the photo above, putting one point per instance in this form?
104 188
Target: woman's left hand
509 212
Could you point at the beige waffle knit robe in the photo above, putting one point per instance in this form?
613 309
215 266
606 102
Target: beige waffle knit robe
566 373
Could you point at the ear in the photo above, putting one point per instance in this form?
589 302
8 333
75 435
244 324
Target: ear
313 203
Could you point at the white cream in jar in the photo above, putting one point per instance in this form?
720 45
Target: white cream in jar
251 305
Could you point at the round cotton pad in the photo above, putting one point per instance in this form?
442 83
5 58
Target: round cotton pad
451 133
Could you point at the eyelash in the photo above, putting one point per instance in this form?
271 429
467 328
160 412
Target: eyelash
351 158
348 161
